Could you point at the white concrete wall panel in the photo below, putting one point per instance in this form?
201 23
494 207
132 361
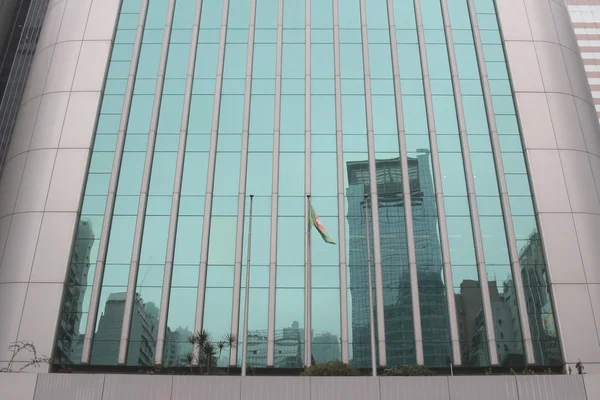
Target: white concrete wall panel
78 128
539 15
68 179
579 83
588 118
552 67
346 388
20 247
417 388
549 186
52 256
588 231
514 21
536 121
18 386
275 388
214 387
51 27
560 240
12 299
42 305
486 387
577 323
62 70
580 182
69 387
50 119
524 70
4 227
101 21
564 172
551 387
9 184
38 73
42 182
93 59
126 387
74 20
105 387
565 122
23 131
564 29
33 190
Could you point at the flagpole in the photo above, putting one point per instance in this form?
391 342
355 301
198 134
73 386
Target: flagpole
373 357
247 294
308 285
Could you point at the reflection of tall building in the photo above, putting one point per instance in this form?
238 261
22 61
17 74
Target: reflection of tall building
394 261
289 347
326 347
539 302
471 327
177 346
70 340
144 323
471 324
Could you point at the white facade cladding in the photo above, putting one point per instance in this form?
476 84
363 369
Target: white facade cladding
562 141
125 387
44 176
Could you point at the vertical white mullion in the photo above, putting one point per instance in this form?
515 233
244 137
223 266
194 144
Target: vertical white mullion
307 185
143 200
466 154
373 188
112 189
340 185
504 200
241 214
275 191
210 177
479 255
487 308
410 235
173 220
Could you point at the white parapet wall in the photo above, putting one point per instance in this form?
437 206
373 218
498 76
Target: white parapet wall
164 387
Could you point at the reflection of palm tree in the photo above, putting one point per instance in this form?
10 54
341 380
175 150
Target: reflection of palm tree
208 351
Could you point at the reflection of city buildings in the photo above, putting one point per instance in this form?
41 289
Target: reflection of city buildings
394 260
471 324
144 325
68 349
289 347
177 346
539 302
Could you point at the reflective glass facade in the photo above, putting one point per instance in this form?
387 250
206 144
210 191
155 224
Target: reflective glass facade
407 102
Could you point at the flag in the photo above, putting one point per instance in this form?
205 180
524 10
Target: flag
316 222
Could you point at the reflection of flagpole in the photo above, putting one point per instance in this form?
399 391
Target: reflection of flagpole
247 298
371 322
307 291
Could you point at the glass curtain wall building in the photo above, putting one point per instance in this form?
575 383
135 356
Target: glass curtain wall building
408 103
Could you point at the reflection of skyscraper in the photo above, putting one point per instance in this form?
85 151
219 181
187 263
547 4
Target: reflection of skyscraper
539 302
143 326
394 259
68 349
325 347
471 324
289 347
177 347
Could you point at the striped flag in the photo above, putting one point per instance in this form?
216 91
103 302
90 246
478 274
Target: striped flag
316 222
